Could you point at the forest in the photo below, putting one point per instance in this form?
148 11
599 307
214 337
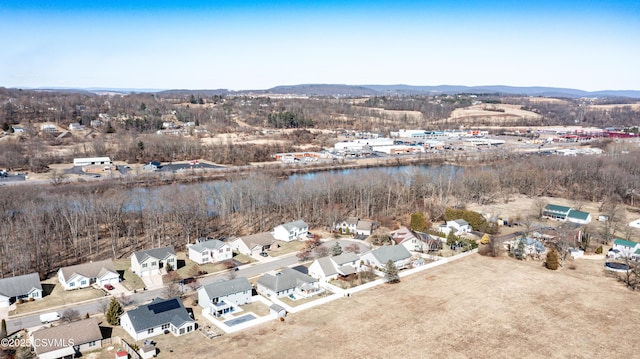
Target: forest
44 228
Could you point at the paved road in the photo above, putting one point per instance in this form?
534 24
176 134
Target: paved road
94 307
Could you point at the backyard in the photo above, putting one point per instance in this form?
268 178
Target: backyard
55 296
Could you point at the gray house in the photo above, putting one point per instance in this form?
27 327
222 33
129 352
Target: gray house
21 287
152 166
158 317
288 282
221 297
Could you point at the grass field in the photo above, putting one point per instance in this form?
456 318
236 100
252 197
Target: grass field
477 307
55 296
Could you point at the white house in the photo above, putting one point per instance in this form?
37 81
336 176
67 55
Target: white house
222 297
287 282
291 231
458 226
152 261
84 275
209 251
355 226
67 340
158 317
379 257
253 244
635 224
624 249
22 287
329 268
152 166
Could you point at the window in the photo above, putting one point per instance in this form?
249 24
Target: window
150 331
189 329
165 326
83 282
181 331
153 264
144 265
92 344
170 260
72 284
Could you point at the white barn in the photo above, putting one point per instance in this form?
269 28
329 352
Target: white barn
89 161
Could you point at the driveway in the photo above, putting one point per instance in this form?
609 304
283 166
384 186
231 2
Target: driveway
153 281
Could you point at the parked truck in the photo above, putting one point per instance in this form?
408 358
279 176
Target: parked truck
49 317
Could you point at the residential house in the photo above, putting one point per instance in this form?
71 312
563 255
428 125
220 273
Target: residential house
415 241
152 261
624 249
18 129
67 340
222 297
22 287
287 282
291 231
152 166
340 266
158 317
253 244
379 257
526 246
354 226
209 251
75 126
635 224
458 226
84 275
563 213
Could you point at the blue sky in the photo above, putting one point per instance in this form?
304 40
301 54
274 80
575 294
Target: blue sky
590 45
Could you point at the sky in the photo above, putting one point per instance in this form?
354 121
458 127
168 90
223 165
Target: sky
240 45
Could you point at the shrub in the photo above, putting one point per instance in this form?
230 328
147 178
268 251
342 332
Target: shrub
552 261
31 299
599 250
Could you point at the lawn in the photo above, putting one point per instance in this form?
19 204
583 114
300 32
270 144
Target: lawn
186 269
285 248
130 281
294 303
55 296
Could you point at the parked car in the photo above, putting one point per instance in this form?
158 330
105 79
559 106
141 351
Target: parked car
264 254
187 280
109 287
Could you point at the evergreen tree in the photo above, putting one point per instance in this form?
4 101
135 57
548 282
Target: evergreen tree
3 330
391 272
336 250
552 262
114 312
418 223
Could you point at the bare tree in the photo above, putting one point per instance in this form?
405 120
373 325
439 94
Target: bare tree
171 290
70 315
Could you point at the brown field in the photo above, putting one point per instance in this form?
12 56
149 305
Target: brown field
477 307
480 112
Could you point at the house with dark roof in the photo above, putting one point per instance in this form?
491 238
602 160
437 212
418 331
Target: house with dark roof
340 266
253 244
67 340
86 274
287 282
152 261
222 297
209 251
380 256
291 231
158 317
21 287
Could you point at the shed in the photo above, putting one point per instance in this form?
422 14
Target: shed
278 310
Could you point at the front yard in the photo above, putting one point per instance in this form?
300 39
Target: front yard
130 281
187 269
283 248
55 296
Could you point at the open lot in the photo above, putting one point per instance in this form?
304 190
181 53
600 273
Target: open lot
449 312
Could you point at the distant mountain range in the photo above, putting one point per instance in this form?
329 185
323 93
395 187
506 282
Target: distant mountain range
379 90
